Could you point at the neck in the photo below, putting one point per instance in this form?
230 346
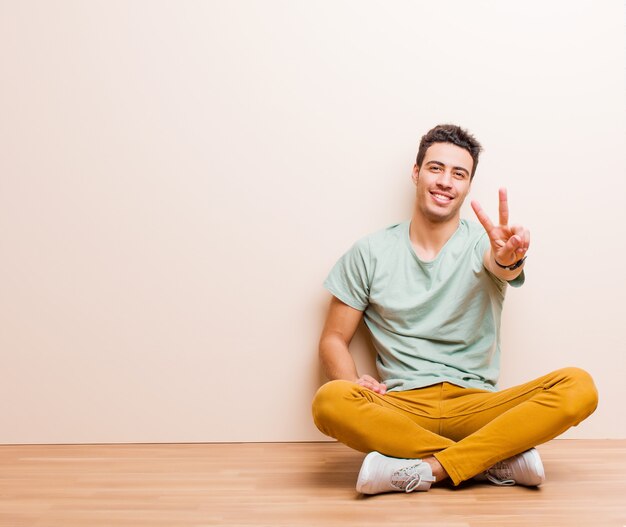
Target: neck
428 237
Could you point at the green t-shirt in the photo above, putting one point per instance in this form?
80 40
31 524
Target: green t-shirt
430 321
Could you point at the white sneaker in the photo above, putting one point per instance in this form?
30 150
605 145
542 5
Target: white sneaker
387 474
523 469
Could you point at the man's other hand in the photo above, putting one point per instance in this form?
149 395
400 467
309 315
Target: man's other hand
372 384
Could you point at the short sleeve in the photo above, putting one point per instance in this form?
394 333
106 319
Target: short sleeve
349 279
519 280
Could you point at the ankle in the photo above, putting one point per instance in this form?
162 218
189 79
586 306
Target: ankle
437 468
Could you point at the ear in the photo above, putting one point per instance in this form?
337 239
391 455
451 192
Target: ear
415 174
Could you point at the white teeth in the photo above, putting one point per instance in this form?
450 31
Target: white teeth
441 197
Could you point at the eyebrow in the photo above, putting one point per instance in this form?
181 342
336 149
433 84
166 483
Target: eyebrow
439 163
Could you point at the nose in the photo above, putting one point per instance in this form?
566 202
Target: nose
444 179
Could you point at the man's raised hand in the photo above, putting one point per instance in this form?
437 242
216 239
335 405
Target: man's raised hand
508 244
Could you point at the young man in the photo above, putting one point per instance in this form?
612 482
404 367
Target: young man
431 291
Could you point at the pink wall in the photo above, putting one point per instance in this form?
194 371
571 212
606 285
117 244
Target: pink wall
178 177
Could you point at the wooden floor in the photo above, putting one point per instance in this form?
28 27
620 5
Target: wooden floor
290 484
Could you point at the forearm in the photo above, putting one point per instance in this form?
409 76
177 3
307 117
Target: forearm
336 360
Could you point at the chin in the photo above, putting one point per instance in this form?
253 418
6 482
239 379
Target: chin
441 217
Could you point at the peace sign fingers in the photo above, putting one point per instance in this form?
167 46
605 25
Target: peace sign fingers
503 209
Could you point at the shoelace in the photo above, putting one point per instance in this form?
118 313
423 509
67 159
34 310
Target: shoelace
408 479
502 482
500 474
413 484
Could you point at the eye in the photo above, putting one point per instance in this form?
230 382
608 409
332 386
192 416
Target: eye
435 168
460 175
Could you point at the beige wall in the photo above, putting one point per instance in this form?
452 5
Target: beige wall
177 178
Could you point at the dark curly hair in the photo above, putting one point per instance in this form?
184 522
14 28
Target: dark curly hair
450 133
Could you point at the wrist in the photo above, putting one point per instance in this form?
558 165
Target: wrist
513 266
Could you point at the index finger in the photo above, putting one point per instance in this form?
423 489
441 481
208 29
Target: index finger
504 207
482 216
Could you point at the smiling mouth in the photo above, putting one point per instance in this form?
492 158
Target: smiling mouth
441 198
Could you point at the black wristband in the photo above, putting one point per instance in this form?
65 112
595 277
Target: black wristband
511 267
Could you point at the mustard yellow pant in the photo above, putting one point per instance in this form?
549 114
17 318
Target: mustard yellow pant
467 430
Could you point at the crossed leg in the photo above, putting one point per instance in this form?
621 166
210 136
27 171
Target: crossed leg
466 430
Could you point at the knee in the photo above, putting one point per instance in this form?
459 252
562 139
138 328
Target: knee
328 403
582 395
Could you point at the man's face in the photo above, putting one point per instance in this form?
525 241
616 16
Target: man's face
443 181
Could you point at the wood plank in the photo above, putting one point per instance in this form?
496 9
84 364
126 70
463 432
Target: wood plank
295 484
